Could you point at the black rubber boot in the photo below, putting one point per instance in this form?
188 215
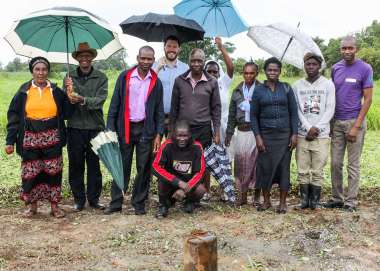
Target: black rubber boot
305 195
315 196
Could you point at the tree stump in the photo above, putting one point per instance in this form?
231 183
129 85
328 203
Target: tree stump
200 252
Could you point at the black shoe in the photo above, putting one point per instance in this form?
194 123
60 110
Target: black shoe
78 207
140 211
188 207
111 210
349 208
97 206
304 195
314 196
333 204
162 212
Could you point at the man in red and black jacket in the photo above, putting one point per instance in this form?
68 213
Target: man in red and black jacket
136 113
179 166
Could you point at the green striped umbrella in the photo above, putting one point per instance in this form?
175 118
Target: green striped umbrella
55 33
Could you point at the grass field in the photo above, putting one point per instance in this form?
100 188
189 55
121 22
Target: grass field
10 169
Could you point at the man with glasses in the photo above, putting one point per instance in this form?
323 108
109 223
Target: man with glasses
89 92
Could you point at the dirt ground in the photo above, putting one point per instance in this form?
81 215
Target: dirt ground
247 240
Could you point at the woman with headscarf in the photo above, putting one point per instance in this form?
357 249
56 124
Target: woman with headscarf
36 125
274 121
242 142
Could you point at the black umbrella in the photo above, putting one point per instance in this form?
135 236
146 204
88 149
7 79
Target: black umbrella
157 27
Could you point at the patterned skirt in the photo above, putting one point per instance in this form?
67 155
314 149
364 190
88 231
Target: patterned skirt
41 166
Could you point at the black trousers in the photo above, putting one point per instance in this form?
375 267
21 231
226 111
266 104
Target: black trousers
143 165
166 191
80 152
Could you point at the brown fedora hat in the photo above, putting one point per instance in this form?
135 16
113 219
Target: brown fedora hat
83 47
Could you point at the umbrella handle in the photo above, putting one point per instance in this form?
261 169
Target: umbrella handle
66 18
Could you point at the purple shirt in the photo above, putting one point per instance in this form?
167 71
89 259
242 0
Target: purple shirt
350 81
138 90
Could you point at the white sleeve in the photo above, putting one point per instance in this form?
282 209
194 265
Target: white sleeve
226 81
330 105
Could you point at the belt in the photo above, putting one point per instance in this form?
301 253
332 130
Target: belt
137 123
244 127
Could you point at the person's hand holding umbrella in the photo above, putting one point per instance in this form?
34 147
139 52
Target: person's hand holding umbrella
73 96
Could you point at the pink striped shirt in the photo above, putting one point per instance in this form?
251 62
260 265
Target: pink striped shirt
138 91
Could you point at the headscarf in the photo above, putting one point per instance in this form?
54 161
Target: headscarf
38 59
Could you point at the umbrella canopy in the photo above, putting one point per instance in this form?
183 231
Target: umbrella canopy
56 32
219 165
284 42
217 17
106 146
157 27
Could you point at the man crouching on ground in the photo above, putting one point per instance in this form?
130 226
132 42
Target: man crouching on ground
179 166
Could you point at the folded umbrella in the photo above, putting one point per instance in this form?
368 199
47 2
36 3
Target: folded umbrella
219 165
157 27
56 32
284 42
106 146
217 17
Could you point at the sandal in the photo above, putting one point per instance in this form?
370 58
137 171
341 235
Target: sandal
57 213
263 207
280 210
31 211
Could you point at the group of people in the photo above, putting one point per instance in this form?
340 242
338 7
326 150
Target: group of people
168 113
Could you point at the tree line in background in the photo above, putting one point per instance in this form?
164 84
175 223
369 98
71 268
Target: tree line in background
115 62
368 42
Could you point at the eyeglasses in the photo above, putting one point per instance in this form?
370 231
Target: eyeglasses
84 56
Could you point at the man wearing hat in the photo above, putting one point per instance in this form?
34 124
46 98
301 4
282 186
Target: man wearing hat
315 96
89 92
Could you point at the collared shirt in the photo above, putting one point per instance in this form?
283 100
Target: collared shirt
194 82
167 75
40 103
245 105
138 91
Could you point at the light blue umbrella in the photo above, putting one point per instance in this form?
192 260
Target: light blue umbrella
217 17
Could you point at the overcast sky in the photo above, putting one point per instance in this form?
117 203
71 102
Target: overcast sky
324 18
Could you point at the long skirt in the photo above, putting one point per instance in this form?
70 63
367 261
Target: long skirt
274 164
243 150
41 166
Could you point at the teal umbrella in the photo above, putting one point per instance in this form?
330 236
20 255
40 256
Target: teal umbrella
55 33
217 17
106 146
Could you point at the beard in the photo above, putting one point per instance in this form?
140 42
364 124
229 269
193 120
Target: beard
171 56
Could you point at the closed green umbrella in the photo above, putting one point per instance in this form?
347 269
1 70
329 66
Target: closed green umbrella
106 146
55 33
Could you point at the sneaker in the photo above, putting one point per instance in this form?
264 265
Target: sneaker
188 207
206 197
333 204
162 212
349 208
